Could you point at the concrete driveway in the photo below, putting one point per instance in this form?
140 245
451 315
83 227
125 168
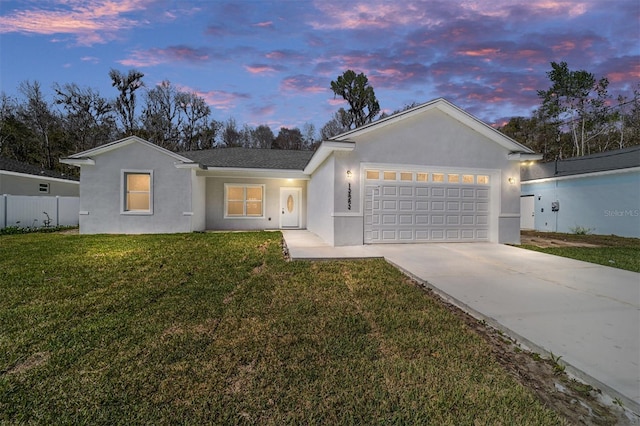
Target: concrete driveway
586 313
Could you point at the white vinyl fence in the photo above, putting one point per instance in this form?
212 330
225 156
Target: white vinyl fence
31 211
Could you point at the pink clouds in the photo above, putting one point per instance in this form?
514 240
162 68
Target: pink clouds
260 69
91 22
304 84
156 56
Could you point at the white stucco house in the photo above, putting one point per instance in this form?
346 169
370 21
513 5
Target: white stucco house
599 193
433 173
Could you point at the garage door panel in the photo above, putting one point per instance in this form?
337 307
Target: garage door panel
437 192
452 234
406 191
389 234
405 235
426 211
422 219
437 206
389 219
467 234
405 219
406 205
437 219
422 205
422 235
468 193
453 220
390 190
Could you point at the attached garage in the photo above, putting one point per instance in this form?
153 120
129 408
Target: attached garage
433 173
420 206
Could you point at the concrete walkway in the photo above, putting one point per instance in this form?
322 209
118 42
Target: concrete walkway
586 313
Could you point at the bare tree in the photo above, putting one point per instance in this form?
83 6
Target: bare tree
263 136
38 116
161 117
125 103
88 119
195 112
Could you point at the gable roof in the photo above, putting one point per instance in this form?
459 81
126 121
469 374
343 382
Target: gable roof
618 159
453 111
15 166
85 157
250 158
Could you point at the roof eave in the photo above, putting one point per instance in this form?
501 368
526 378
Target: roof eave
524 156
325 149
78 161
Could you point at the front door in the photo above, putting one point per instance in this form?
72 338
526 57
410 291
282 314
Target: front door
290 207
527 212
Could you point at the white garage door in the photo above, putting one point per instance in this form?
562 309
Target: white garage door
417 207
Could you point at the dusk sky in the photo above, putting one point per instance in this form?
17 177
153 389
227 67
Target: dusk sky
271 62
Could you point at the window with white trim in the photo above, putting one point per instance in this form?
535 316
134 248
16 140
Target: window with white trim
137 192
243 201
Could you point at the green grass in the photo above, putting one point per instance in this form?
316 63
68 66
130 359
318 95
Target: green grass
219 329
614 251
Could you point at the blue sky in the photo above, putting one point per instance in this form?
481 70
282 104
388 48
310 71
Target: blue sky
271 62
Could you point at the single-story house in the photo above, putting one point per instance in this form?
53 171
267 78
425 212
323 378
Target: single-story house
598 193
19 178
433 173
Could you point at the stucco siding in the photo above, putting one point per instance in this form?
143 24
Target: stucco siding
605 204
434 140
320 206
198 202
215 203
101 193
27 185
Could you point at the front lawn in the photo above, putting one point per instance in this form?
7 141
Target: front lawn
608 250
219 328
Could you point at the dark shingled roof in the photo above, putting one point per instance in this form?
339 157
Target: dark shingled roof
16 166
602 161
250 158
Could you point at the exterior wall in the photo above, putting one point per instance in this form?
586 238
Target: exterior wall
433 139
606 204
320 205
198 194
29 185
101 193
215 204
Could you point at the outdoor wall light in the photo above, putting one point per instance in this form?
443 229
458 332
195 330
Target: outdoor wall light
349 174
512 181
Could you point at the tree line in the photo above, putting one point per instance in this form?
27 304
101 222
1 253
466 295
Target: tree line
576 117
37 131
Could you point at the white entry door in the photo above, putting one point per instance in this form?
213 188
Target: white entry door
290 207
527 212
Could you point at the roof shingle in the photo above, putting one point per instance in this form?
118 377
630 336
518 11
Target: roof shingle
16 166
602 161
250 158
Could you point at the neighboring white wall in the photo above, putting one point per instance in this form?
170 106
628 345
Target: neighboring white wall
27 211
606 203
101 193
435 139
215 203
23 184
320 206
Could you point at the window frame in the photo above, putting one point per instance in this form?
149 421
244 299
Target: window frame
244 186
123 192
